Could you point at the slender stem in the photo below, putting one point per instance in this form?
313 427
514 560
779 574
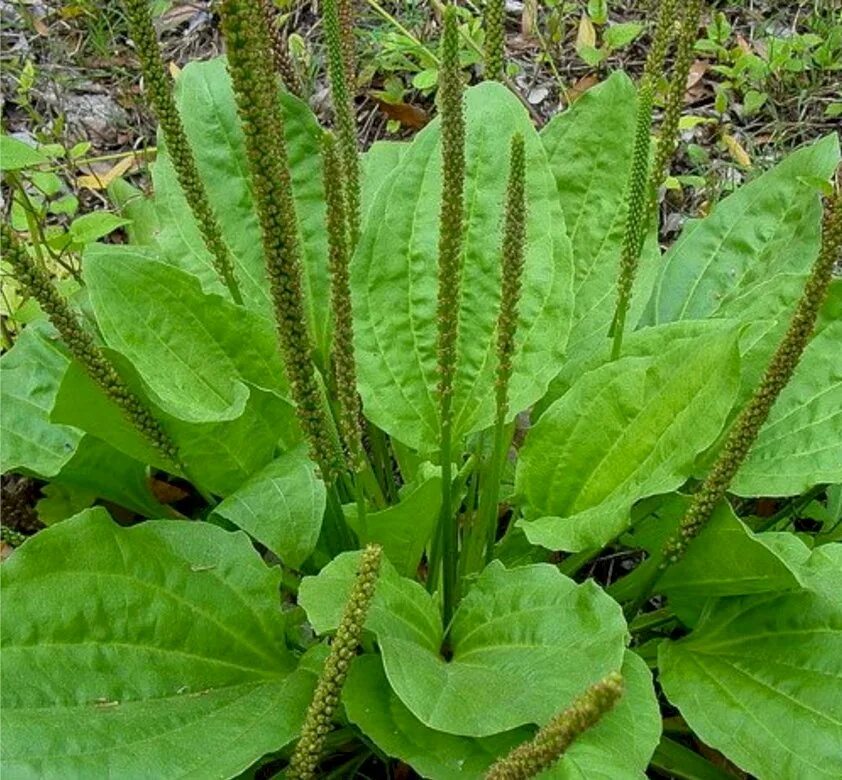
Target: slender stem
403 30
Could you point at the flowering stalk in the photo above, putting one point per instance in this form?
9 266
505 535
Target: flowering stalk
342 346
280 50
495 17
39 286
553 740
317 722
781 367
451 239
338 23
263 127
635 229
158 87
513 254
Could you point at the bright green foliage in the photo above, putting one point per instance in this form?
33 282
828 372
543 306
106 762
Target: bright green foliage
141 636
627 430
502 638
159 88
325 701
394 272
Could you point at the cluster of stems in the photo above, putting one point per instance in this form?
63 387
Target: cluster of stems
38 285
481 539
325 701
781 367
280 50
249 64
495 57
553 740
338 22
159 88
343 362
451 239
637 194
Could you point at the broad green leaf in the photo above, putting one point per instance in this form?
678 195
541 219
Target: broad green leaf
208 109
589 148
15 154
90 227
281 506
136 206
157 646
101 471
625 431
760 680
529 631
219 456
404 529
30 375
768 227
801 443
196 353
394 279
619 747
376 165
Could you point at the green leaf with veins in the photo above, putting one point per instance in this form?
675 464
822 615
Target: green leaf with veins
209 113
159 645
625 431
377 163
589 148
394 279
196 353
528 631
618 748
281 506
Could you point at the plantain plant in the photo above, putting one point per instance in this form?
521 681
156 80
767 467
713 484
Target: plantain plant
417 402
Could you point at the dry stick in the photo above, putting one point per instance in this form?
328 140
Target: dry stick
256 93
778 373
158 86
552 741
635 228
280 50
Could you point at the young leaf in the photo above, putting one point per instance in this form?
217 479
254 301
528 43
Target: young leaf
627 430
769 664
281 506
31 373
530 631
769 226
209 113
15 154
153 646
394 279
195 352
589 148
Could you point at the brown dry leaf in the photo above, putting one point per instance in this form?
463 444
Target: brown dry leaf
736 150
5 551
529 19
587 34
96 182
581 86
743 44
175 71
405 113
178 14
165 493
696 89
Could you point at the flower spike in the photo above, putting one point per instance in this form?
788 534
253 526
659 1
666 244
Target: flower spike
280 50
158 86
256 92
317 722
553 740
495 40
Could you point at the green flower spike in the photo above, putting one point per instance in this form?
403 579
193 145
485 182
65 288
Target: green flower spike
778 373
280 50
495 57
317 722
38 285
342 346
637 196
158 86
675 98
552 741
254 84
451 238
338 23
